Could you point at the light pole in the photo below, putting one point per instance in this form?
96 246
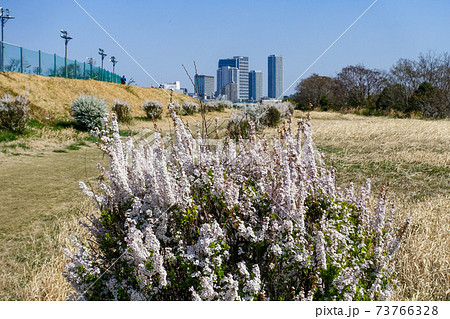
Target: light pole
114 61
5 17
91 62
66 38
103 54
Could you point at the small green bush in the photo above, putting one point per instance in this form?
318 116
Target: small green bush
272 117
153 108
238 126
122 110
89 111
14 113
189 108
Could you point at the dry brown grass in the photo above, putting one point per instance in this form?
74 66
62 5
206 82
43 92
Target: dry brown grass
423 261
48 282
53 96
414 156
41 274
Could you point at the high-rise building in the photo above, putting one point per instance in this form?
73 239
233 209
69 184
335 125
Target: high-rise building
205 86
255 85
225 75
231 92
228 69
275 76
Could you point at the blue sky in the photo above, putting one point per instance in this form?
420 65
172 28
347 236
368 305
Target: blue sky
163 35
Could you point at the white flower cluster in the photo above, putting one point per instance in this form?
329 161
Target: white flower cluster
14 112
247 220
189 107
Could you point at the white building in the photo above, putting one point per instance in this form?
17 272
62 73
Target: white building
174 86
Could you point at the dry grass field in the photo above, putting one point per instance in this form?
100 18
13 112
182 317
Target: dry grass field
40 203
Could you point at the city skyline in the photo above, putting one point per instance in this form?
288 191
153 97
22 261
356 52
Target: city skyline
159 35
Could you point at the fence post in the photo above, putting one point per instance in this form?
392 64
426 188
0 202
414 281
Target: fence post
21 60
54 63
40 72
75 70
90 72
84 70
2 56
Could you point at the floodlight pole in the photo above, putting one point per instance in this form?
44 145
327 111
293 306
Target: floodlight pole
103 54
66 38
114 61
4 17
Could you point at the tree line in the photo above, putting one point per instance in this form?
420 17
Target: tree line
418 87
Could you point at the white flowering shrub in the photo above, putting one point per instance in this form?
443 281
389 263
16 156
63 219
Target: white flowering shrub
153 108
189 108
252 220
14 113
122 110
89 111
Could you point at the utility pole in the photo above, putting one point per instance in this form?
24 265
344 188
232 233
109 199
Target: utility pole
5 17
114 61
66 38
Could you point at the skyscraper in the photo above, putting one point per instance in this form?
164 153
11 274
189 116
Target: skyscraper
205 85
275 76
226 72
255 85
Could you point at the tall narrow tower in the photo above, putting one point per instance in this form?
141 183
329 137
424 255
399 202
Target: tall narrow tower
275 76
255 85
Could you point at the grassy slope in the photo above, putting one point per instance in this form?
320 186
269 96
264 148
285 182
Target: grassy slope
53 96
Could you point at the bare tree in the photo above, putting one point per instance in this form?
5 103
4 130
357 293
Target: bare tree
314 89
361 84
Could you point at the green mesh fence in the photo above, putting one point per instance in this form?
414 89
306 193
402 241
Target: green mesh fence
17 59
47 64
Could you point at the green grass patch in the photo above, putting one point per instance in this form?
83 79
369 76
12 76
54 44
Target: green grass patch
36 124
126 133
59 151
73 147
92 139
7 136
63 124
18 145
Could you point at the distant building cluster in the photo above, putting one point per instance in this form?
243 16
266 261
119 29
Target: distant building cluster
235 82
